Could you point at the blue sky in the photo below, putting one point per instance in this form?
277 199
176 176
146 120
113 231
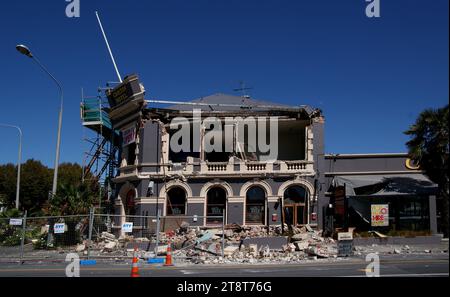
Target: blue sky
371 77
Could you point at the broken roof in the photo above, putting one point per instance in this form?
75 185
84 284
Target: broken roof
224 102
389 184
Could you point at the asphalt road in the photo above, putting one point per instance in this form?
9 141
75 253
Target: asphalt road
391 266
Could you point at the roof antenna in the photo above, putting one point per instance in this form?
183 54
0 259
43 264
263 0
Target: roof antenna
243 89
109 49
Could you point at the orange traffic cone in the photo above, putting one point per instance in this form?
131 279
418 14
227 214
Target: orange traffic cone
134 266
168 256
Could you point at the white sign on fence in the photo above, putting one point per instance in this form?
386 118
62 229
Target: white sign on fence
59 228
15 222
127 227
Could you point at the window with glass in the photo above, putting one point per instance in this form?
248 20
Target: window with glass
255 203
215 205
295 198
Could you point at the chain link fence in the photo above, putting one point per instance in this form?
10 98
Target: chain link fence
96 235
11 234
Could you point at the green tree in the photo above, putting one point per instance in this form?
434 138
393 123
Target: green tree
71 200
69 173
36 182
8 177
429 147
35 186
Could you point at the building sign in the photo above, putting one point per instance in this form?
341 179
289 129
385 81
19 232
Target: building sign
124 92
410 164
345 236
59 228
15 222
380 215
127 227
129 136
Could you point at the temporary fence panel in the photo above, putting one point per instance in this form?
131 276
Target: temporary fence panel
109 236
11 230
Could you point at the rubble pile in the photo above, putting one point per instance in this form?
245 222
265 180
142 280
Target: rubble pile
204 245
198 244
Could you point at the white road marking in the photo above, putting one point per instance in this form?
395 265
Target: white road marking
189 272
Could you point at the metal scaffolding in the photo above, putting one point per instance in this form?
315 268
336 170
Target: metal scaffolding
99 160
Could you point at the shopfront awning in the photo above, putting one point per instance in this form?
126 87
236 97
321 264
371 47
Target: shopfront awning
383 185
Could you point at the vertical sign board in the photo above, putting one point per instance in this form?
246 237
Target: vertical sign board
59 228
380 215
127 227
129 136
345 244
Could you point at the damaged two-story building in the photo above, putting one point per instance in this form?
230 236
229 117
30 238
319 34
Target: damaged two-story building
263 160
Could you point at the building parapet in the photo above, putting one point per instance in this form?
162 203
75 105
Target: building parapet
206 169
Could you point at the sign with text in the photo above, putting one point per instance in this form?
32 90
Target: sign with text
124 92
345 235
59 228
127 227
380 215
15 222
129 136
345 244
345 248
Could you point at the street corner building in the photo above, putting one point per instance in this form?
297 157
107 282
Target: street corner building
242 181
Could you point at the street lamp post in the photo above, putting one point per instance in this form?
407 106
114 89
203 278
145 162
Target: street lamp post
19 161
26 51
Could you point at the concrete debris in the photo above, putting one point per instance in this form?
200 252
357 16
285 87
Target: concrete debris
80 248
243 244
249 244
184 226
141 239
379 234
107 235
397 251
301 245
109 246
234 228
320 252
215 248
308 228
300 236
290 247
264 252
230 250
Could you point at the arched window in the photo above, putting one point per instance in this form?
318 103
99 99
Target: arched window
295 194
295 199
215 204
255 205
176 201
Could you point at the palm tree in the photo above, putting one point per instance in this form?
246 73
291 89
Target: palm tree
71 200
429 147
